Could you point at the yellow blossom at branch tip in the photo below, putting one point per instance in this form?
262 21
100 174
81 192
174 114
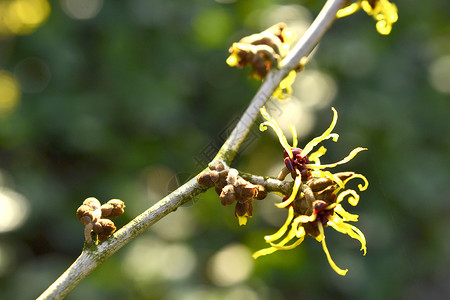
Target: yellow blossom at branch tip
384 13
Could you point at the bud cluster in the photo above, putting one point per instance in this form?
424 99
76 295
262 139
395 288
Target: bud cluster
318 194
231 187
95 217
261 50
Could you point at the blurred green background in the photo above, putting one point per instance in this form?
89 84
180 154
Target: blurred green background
126 99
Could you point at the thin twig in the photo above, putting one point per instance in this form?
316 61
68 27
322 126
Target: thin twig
92 256
271 185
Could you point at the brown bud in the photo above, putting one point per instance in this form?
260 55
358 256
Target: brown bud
112 208
344 175
326 194
312 229
208 178
244 190
227 196
233 176
222 181
216 165
318 184
104 228
218 189
301 205
84 214
92 202
261 192
243 209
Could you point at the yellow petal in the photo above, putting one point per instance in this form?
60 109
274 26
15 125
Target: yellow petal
242 220
365 5
263 252
297 183
346 216
326 135
291 246
339 225
333 177
360 186
232 60
272 123
349 157
286 240
353 199
282 230
300 233
317 154
305 219
294 136
348 10
327 253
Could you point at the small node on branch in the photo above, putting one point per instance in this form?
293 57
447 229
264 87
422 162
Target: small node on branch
95 217
231 187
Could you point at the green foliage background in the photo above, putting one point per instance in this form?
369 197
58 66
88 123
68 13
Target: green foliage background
139 91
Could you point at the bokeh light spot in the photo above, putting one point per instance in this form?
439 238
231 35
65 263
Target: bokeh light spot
292 112
315 89
231 265
241 292
178 262
14 210
150 259
22 16
439 74
9 93
297 17
82 9
178 225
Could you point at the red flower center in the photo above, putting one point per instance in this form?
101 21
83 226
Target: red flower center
297 162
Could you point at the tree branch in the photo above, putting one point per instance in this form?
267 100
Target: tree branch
93 255
303 48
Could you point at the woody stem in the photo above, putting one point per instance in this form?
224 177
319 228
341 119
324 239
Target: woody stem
92 256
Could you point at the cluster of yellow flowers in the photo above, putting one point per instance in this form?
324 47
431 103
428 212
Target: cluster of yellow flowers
317 194
315 201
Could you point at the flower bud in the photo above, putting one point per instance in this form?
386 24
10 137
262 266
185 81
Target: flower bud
104 228
112 208
227 196
92 202
244 209
261 192
318 184
216 165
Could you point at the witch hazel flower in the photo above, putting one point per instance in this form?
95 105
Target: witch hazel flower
383 12
317 194
264 51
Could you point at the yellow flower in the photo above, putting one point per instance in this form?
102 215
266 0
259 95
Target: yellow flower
316 196
263 51
284 90
384 12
